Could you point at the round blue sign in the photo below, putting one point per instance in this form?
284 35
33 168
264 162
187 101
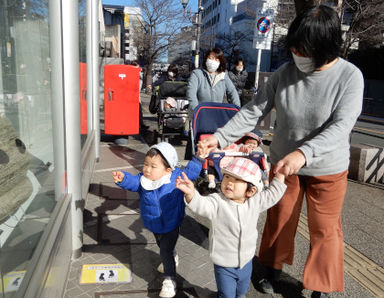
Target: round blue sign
263 25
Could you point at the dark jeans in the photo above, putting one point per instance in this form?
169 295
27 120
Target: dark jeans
167 243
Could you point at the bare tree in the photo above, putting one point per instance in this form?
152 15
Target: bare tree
303 4
362 20
161 21
230 44
365 21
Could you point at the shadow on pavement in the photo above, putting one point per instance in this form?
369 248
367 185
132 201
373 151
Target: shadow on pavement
287 286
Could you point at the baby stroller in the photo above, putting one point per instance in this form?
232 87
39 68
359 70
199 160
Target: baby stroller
172 109
207 118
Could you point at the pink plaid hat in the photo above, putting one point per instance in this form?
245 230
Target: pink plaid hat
245 169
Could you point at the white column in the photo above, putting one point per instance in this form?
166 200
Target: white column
70 46
95 74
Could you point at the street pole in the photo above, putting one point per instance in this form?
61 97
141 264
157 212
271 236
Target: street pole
257 73
257 69
198 32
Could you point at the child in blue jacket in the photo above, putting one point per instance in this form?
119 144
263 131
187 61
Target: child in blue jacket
162 205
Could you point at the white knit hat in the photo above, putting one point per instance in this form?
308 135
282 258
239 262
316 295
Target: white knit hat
245 169
169 153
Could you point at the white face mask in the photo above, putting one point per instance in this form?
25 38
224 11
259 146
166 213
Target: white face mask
151 185
239 69
304 64
171 74
212 65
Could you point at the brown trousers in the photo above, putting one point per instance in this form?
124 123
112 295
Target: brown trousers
324 268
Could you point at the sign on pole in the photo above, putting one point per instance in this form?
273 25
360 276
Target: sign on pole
262 36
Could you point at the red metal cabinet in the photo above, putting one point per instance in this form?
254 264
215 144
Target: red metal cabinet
121 99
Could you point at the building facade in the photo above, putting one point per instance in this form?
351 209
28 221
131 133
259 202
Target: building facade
181 47
132 26
230 25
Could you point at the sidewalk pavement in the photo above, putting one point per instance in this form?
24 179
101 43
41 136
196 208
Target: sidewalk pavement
114 233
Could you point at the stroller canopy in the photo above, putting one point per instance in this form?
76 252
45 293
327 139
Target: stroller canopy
209 116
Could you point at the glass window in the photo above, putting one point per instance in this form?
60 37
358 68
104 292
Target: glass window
27 196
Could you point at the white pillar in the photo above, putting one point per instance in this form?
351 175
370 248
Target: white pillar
70 45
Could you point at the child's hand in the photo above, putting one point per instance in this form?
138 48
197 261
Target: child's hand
202 150
279 176
246 149
186 186
210 142
118 176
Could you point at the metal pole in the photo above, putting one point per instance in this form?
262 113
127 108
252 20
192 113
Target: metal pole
55 39
198 32
264 7
95 76
89 67
257 69
70 46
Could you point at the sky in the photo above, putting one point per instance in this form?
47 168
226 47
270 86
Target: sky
192 3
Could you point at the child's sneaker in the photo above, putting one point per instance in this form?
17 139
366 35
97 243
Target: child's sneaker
160 268
168 289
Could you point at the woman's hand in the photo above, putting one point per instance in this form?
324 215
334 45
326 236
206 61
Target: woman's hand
186 186
290 164
118 176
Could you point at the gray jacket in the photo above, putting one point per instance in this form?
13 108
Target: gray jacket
200 89
233 227
238 79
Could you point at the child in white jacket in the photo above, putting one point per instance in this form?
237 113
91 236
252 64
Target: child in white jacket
233 216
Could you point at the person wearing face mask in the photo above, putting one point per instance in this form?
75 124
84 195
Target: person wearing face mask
239 75
212 83
170 75
318 98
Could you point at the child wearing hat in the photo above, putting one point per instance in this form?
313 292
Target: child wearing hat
249 143
162 206
233 214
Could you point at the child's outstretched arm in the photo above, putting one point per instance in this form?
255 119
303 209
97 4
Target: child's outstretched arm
186 186
126 180
195 165
279 177
203 151
118 176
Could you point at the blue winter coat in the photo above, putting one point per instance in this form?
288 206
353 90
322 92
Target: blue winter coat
162 209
